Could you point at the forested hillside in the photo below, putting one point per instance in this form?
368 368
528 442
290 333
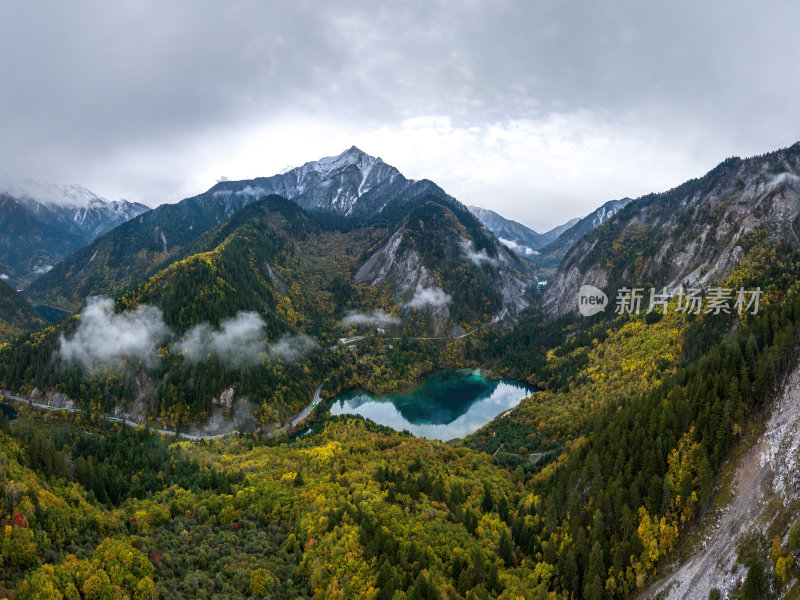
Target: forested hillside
694 234
16 315
359 510
589 488
257 306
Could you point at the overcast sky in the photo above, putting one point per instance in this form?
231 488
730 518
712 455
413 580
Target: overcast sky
539 110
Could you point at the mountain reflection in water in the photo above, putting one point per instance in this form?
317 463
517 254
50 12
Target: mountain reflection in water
447 405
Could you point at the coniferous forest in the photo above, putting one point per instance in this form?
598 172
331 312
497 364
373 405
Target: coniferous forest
584 491
535 337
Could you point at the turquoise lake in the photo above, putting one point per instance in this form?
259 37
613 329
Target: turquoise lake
447 405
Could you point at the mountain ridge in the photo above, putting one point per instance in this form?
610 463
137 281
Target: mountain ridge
695 233
42 224
74 208
346 196
553 252
514 235
16 314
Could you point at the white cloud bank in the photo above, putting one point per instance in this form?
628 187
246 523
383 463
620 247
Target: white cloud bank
106 337
239 342
476 258
291 348
433 297
785 177
376 318
515 247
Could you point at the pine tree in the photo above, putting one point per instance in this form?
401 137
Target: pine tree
487 503
506 549
755 585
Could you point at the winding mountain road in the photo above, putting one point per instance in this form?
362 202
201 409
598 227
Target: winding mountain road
307 410
293 421
187 436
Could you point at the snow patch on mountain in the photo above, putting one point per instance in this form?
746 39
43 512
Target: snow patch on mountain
352 156
349 184
72 196
72 208
605 212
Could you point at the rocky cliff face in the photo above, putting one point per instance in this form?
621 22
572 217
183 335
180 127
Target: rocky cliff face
551 254
695 233
765 485
443 263
352 185
74 208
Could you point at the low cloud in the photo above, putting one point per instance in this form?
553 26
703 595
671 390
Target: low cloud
4 277
239 342
515 247
42 270
780 178
476 258
291 348
376 318
104 337
248 190
425 297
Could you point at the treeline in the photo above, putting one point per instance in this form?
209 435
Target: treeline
616 503
118 464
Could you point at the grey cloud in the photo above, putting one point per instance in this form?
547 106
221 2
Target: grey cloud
42 270
291 348
476 258
104 337
124 97
247 190
239 342
376 318
433 297
780 178
512 245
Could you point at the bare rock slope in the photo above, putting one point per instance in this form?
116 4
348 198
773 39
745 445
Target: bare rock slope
695 233
767 471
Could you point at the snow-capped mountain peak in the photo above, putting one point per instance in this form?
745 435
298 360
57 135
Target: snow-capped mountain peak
352 156
350 184
52 194
72 208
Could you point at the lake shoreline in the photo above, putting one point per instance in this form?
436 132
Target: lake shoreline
447 405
